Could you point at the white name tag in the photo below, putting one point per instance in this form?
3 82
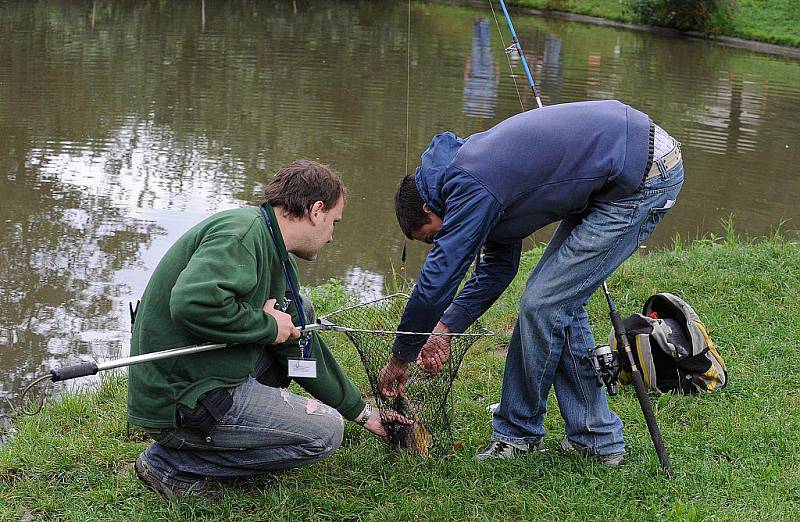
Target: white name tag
306 368
670 203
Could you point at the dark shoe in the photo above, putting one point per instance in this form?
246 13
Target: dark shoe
169 491
505 450
612 460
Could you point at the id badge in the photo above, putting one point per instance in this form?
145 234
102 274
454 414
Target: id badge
302 367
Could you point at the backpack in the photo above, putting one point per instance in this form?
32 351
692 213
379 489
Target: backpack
672 348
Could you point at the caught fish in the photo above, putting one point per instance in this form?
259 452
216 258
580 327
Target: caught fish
412 437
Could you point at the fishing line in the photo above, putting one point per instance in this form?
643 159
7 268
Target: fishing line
508 55
408 82
408 111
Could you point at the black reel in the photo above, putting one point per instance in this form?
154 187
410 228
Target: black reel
606 365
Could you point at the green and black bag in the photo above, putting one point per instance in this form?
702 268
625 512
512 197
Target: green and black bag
673 349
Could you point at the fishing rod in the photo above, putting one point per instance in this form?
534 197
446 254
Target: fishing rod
516 46
624 350
605 362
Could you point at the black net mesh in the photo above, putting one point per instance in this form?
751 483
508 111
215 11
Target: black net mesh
427 397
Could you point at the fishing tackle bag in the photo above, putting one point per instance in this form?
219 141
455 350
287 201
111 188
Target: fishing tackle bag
672 348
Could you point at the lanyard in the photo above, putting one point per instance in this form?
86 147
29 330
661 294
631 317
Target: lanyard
305 338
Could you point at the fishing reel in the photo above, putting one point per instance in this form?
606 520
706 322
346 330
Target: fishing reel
606 365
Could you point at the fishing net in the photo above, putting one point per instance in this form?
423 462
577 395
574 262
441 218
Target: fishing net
371 329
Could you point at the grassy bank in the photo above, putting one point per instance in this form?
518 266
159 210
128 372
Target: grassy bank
736 453
775 21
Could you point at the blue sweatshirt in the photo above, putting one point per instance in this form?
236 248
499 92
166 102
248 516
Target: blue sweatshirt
497 187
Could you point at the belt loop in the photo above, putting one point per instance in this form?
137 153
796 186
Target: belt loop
662 168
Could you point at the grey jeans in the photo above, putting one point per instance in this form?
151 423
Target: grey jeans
266 429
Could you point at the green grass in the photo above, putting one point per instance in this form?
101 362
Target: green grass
773 21
613 10
736 453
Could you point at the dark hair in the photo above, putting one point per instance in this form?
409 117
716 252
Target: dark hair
408 206
299 185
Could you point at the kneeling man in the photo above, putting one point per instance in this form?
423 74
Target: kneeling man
226 413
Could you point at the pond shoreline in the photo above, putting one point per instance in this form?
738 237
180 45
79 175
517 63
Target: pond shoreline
74 458
728 41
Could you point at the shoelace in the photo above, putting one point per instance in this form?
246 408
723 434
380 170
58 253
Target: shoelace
500 447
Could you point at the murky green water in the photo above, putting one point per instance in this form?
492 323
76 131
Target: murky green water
123 123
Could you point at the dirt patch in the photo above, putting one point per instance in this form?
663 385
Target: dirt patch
501 352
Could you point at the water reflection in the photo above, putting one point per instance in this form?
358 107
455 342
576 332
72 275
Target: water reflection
481 74
61 248
124 123
551 60
367 285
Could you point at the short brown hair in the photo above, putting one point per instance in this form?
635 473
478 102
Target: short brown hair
296 187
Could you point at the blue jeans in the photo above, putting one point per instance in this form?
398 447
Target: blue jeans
266 429
553 333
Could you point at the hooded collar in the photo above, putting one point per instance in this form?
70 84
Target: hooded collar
431 173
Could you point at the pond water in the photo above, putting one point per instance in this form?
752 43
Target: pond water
123 123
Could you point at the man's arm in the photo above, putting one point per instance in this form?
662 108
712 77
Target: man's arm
494 273
472 211
205 297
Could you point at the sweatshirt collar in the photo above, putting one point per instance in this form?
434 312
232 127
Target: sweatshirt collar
277 236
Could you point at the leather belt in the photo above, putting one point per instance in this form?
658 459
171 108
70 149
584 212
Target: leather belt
669 160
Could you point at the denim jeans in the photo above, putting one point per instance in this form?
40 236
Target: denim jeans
553 333
266 429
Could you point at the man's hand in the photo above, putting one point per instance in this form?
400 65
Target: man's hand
434 354
393 377
376 423
436 350
286 329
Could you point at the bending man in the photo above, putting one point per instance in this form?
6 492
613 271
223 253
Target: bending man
609 175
